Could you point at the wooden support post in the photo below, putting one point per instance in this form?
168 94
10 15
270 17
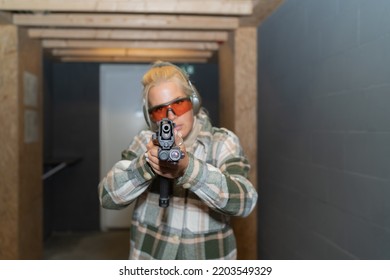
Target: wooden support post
21 145
238 112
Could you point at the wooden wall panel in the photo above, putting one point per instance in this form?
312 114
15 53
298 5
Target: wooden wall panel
30 149
9 134
21 164
226 83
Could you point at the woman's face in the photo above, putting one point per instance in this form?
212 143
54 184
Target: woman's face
166 92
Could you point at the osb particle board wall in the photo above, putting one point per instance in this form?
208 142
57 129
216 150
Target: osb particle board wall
21 145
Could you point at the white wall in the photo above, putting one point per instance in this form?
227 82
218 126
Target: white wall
121 118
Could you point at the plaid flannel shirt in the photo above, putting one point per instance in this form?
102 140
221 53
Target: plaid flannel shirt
196 223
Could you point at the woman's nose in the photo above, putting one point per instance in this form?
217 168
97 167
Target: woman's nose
170 114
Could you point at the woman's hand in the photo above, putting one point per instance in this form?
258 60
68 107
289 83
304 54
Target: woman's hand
167 169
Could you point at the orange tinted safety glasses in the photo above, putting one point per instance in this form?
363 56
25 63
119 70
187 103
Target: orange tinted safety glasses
178 106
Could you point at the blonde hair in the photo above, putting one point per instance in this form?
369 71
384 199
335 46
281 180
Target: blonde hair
165 72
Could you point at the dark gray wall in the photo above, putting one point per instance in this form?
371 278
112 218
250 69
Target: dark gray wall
324 130
71 129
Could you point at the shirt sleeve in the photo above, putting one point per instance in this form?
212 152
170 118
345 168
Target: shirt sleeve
128 178
223 185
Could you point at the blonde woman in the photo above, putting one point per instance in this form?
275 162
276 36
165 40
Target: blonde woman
209 182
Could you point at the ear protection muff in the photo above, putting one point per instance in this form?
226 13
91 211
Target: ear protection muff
194 97
146 115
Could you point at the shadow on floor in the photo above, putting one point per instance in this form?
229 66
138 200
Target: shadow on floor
111 245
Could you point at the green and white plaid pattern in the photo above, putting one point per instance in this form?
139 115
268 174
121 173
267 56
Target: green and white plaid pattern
196 223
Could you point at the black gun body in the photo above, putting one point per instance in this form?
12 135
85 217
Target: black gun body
167 151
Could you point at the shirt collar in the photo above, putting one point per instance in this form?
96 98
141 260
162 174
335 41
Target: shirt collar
202 129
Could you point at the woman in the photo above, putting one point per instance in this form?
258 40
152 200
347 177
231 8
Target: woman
209 183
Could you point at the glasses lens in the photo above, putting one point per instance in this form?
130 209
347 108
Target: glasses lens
159 113
179 107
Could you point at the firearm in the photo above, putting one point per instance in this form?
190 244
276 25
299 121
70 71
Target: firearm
167 151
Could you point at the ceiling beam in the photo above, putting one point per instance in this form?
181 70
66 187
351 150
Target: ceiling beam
127 34
167 53
131 59
47 43
217 7
5 17
261 10
128 21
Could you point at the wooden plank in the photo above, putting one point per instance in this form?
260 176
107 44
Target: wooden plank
128 21
21 185
5 17
217 7
245 75
131 59
127 34
238 93
128 44
262 9
133 52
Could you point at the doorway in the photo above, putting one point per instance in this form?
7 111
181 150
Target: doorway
121 118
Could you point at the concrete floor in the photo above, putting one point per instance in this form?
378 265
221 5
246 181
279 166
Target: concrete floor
111 245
